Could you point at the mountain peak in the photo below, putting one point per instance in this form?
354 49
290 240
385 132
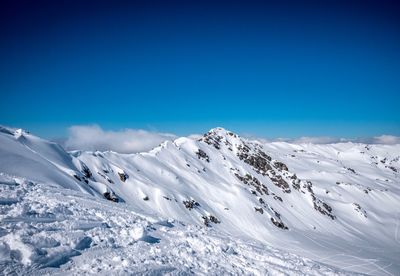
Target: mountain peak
220 131
218 136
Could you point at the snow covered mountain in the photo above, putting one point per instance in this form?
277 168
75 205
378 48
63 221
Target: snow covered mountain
218 204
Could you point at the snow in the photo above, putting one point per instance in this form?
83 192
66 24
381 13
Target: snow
45 232
190 206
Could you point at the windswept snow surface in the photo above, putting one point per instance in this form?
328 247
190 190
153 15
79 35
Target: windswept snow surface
48 229
220 204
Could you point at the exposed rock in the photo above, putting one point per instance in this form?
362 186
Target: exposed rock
352 170
281 183
232 134
276 214
367 190
248 179
213 219
279 224
123 176
110 196
213 139
202 155
278 198
206 221
280 166
260 161
86 172
296 184
209 219
318 204
360 210
190 204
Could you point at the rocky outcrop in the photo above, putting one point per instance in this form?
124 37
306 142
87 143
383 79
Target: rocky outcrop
279 224
191 204
86 172
318 204
360 210
123 176
281 183
212 139
111 196
202 155
207 220
250 180
280 166
261 163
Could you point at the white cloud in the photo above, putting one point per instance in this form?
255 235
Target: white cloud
304 140
93 137
319 140
383 139
386 139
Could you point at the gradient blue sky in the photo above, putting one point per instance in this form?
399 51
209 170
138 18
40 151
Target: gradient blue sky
272 69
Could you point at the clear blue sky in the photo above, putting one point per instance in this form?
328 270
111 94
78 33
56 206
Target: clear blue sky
274 69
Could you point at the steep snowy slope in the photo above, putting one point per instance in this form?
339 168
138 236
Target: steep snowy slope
52 230
336 204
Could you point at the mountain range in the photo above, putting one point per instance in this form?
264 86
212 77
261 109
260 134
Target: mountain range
217 204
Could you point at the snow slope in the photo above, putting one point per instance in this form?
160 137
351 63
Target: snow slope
52 230
220 203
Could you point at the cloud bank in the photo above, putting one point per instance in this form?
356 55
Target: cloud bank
383 139
93 137
386 139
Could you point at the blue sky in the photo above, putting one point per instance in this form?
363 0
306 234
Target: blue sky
287 69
